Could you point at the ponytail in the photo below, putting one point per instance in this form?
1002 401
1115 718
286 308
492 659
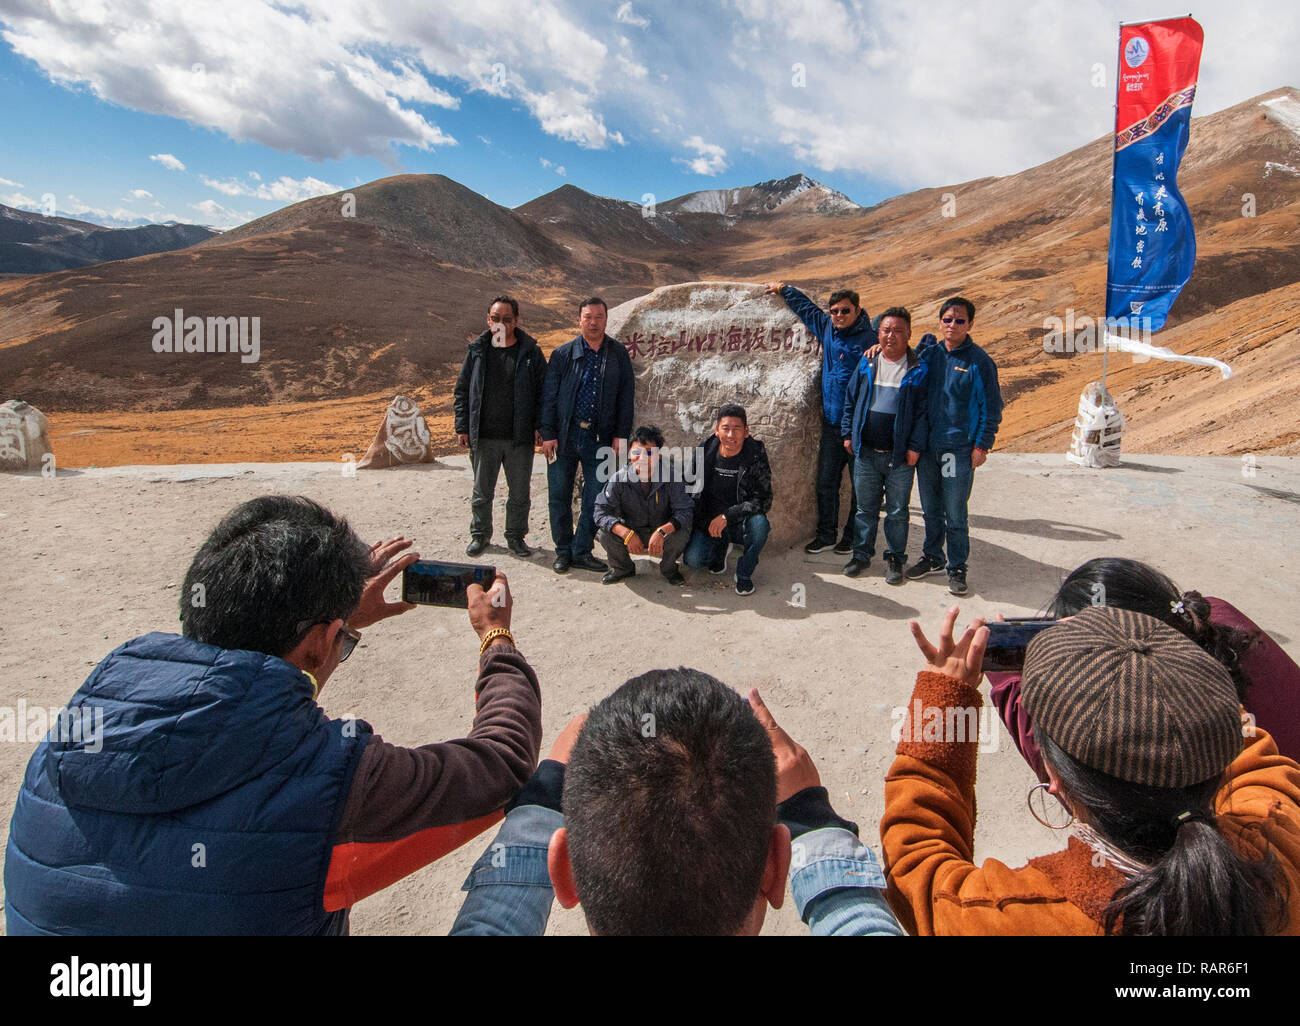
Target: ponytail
1194 883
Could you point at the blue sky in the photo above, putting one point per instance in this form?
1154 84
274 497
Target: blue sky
214 113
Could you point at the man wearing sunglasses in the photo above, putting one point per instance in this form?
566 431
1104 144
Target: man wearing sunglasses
964 410
845 332
218 796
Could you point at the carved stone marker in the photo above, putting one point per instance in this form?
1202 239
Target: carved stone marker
402 438
24 437
697 346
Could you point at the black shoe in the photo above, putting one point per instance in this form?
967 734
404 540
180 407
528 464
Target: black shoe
561 564
856 566
845 545
614 576
957 582
589 562
721 566
675 579
893 569
518 548
818 545
923 566
744 586
476 546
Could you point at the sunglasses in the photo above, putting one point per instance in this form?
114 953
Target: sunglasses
954 320
841 311
349 635
501 320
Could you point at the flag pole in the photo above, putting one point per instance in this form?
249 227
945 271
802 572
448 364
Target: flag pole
1114 157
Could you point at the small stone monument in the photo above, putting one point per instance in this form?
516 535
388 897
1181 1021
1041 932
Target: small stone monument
402 438
1098 429
697 346
24 437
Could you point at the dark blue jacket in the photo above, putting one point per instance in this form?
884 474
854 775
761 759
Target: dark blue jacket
910 423
211 807
840 350
965 400
560 393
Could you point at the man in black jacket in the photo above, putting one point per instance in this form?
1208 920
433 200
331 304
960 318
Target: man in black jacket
586 409
733 502
498 409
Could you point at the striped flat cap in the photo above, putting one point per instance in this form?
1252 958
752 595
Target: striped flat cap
1133 698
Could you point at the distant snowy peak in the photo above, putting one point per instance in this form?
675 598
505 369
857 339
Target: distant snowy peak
796 194
1285 111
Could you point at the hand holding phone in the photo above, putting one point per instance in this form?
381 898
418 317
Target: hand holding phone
430 582
1005 651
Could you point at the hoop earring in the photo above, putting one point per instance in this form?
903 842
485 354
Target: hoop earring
1029 800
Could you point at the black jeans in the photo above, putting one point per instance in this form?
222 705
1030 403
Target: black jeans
486 459
621 560
832 458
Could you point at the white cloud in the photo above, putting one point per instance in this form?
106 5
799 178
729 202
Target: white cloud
544 162
218 216
16 185
712 159
283 190
561 172
627 16
118 217
168 161
17 199
139 194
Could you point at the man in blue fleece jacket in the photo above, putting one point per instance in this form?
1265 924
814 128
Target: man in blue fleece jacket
846 333
965 409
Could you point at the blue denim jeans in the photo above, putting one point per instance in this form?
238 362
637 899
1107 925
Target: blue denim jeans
944 481
560 476
832 458
874 481
705 550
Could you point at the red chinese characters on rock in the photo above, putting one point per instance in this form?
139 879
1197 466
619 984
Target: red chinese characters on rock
735 340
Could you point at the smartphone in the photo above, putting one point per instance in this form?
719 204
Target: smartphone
1005 652
433 583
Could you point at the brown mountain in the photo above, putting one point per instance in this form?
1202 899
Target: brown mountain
356 308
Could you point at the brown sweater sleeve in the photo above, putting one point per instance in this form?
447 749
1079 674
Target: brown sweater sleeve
401 791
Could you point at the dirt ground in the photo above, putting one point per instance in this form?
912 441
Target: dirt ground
95 557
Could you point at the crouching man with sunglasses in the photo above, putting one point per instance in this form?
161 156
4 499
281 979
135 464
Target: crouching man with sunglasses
216 796
964 409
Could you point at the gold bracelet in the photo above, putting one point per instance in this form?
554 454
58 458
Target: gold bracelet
492 635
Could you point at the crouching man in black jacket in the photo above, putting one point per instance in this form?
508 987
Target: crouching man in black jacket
733 503
645 509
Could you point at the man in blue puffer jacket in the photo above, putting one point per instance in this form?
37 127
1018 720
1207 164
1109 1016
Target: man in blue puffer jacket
845 332
214 795
965 410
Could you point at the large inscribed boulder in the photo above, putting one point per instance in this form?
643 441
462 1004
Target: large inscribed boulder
24 437
403 437
698 346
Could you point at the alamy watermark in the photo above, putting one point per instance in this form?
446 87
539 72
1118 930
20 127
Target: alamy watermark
1083 334
946 723
181 334
84 725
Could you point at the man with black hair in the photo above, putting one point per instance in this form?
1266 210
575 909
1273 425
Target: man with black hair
675 808
845 332
964 410
586 409
218 797
735 495
644 510
498 411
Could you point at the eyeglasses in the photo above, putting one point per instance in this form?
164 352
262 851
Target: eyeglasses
954 320
501 320
841 311
349 635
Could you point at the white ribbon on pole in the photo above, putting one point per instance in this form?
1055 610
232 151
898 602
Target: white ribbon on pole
1120 343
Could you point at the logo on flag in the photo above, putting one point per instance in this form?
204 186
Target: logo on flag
1135 308
1136 52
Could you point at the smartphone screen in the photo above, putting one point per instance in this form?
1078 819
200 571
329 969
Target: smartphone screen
1005 652
433 583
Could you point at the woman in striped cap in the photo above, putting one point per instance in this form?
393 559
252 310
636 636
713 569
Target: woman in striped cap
1179 826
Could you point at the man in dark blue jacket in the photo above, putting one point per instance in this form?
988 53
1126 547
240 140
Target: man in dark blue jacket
965 409
845 333
586 408
884 428
216 796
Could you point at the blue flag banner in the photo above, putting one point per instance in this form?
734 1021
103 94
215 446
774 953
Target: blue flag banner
1152 239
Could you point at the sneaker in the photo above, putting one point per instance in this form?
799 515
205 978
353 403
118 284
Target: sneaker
720 567
845 545
818 545
957 582
923 566
744 586
893 569
476 546
856 566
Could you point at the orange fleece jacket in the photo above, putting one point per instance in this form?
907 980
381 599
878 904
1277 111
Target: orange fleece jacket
928 830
